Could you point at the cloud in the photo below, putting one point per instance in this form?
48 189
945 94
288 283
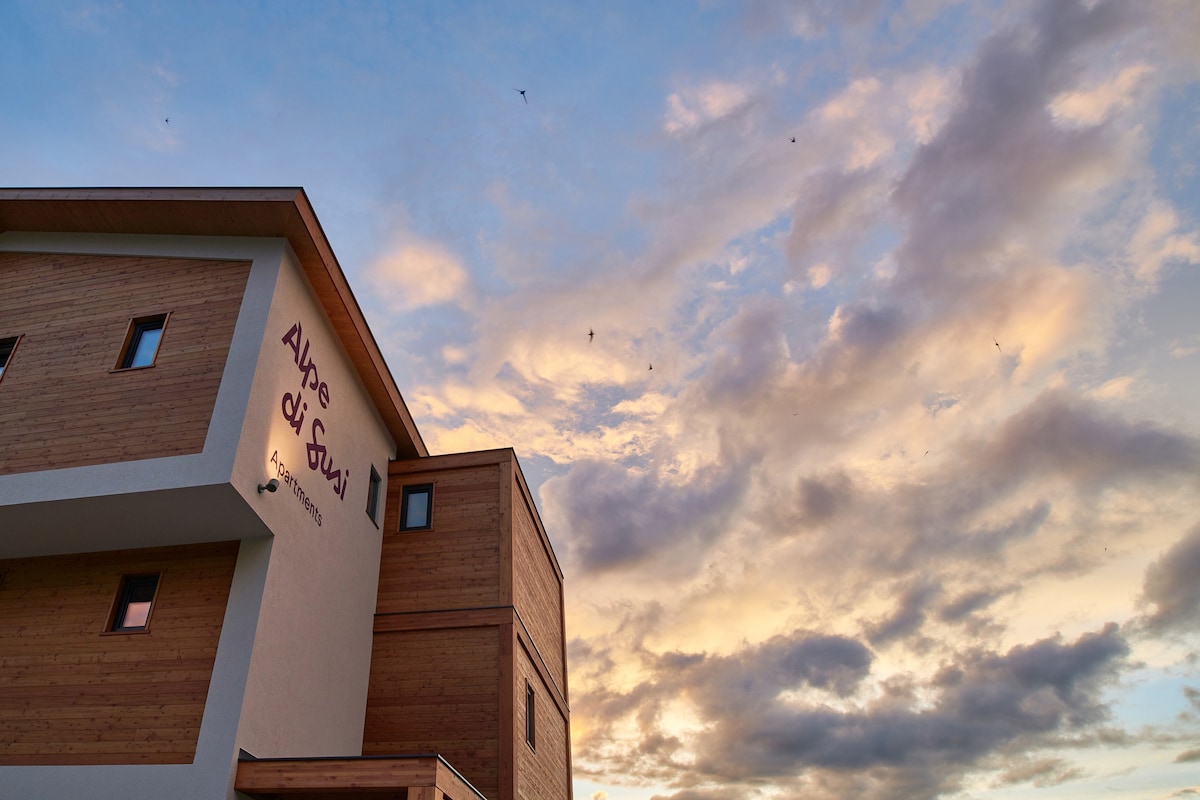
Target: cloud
1040 772
834 207
1063 436
1093 105
808 20
1172 588
1158 242
633 520
417 272
764 713
907 618
692 108
1000 160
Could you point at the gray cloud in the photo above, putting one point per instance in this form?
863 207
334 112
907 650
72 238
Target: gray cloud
908 616
834 206
748 360
820 500
1057 438
1188 756
1172 586
1062 435
965 605
1000 160
985 704
619 518
1041 772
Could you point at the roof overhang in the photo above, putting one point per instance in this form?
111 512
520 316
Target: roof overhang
270 212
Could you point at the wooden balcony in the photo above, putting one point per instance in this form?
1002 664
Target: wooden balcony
417 777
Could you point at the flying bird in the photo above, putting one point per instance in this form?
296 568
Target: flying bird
167 120
522 93
793 140
591 335
651 366
996 343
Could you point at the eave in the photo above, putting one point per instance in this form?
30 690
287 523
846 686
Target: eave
267 212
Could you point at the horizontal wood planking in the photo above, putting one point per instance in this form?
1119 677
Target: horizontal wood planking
537 589
336 778
75 695
437 691
456 563
63 404
543 771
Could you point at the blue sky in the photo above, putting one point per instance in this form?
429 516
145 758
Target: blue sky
907 506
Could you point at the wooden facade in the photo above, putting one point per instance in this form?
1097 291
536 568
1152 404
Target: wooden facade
99 465
73 693
470 613
65 404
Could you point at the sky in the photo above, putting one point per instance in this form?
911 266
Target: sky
880 477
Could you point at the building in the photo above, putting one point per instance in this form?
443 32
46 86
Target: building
229 568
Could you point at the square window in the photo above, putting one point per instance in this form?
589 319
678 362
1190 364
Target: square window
7 346
530 716
134 603
416 507
141 342
373 496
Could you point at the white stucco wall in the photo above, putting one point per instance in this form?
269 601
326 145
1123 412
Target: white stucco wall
307 688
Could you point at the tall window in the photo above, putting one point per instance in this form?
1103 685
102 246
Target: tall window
135 600
141 342
416 508
373 496
530 716
7 345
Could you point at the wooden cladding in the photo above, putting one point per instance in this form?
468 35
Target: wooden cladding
438 691
460 603
455 563
537 589
543 772
73 694
62 403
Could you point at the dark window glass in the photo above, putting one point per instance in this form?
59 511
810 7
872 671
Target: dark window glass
134 603
6 350
530 716
373 495
416 507
142 346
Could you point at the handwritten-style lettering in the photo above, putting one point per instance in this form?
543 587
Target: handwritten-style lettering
294 407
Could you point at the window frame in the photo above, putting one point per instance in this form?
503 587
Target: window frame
421 488
123 598
133 336
16 341
374 492
530 716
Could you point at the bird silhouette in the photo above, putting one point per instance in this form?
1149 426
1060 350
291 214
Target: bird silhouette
522 93
793 140
167 120
591 335
651 366
997 344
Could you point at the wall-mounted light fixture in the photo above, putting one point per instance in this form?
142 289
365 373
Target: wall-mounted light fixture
270 486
